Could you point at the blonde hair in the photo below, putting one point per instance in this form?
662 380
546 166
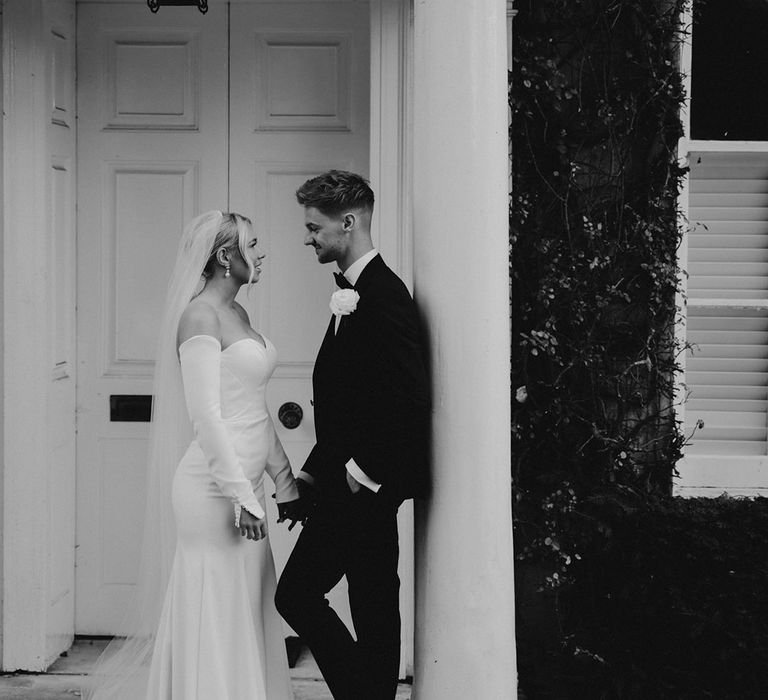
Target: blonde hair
234 230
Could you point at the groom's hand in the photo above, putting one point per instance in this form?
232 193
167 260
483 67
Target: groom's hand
309 494
294 510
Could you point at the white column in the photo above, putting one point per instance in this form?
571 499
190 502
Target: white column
465 644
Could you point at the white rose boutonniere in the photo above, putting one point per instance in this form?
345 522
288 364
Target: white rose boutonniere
344 302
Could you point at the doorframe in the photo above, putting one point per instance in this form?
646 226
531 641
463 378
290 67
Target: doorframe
25 312
391 45
2 318
390 175
24 532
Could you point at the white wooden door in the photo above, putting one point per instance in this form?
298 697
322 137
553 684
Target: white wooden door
152 149
155 92
299 105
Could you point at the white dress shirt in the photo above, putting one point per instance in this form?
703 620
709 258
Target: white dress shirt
352 274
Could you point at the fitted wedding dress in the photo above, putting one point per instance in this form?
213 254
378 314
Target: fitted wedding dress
219 635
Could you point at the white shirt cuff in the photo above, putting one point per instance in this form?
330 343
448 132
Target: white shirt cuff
359 475
306 476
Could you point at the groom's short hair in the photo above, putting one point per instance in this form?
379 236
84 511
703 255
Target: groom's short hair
335 192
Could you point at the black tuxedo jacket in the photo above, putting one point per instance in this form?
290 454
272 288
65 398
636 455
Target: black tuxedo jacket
371 395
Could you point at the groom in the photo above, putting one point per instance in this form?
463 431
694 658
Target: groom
371 419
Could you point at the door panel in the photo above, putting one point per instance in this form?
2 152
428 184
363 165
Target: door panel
152 149
299 106
161 138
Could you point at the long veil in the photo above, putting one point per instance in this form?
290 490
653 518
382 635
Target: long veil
121 671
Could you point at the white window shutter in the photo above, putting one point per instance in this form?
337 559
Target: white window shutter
726 372
727 376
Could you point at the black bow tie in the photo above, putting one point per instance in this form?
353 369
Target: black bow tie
342 282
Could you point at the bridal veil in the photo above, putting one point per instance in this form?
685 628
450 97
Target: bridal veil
121 671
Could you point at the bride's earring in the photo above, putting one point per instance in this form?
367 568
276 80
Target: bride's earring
226 270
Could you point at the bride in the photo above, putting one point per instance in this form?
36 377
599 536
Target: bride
205 626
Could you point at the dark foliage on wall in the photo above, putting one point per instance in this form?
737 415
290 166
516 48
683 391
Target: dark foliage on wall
595 95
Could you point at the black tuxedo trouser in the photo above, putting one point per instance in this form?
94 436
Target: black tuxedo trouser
355 536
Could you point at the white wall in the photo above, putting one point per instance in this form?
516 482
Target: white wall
38 403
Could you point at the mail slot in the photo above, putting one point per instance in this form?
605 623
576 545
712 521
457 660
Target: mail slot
130 408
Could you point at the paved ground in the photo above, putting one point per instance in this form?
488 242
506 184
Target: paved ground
64 678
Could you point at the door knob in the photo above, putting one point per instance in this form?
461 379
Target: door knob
290 415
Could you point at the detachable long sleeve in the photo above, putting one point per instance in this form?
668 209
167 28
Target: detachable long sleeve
279 468
200 358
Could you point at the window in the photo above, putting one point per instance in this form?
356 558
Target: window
729 76
726 252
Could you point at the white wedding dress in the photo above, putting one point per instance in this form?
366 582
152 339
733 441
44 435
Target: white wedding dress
219 635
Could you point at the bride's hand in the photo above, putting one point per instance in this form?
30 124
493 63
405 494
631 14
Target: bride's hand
252 527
